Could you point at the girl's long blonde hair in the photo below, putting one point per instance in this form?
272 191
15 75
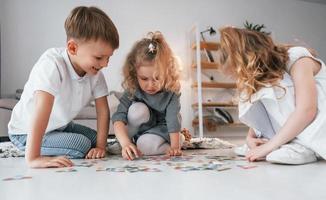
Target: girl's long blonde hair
253 59
154 50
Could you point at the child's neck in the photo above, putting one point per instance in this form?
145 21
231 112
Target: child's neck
77 69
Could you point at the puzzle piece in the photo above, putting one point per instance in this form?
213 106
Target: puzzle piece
16 178
247 166
132 169
66 170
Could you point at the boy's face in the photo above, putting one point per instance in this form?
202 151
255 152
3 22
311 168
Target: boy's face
146 80
89 57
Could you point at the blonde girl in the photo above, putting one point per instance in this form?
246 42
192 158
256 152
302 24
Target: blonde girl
282 96
147 121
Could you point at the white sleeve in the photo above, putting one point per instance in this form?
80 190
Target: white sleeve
46 76
100 89
295 53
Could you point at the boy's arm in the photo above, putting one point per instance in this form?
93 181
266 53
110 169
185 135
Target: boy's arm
103 120
43 108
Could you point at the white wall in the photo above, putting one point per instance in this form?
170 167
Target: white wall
30 27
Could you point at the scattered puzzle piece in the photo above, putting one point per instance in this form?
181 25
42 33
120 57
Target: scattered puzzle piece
16 178
223 168
67 170
132 169
247 166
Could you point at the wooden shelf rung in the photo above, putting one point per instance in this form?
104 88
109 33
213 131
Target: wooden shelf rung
215 85
206 65
211 46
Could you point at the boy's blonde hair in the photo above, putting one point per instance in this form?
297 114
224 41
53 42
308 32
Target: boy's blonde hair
152 50
254 59
87 23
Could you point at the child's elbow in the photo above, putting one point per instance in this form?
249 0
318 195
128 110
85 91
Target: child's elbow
310 114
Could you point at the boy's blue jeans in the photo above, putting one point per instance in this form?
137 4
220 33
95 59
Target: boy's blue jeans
73 141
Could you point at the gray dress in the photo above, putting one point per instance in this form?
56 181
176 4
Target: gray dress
164 108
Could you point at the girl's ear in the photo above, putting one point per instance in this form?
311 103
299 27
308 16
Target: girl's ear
72 46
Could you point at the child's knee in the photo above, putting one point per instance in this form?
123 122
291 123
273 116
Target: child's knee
72 145
138 114
82 147
150 144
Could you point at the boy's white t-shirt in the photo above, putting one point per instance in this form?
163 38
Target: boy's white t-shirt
54 73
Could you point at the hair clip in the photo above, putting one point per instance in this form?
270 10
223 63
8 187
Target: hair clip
151 48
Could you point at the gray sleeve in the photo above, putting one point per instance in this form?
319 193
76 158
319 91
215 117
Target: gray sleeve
173 117
122 110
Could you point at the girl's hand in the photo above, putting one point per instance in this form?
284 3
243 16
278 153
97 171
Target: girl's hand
254 142
259 152
174 151
50 162
95 153
130 152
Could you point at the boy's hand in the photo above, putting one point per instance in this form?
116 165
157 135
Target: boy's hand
96 152
174 151
50 162
130 152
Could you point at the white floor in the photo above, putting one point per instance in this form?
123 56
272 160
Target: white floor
266 181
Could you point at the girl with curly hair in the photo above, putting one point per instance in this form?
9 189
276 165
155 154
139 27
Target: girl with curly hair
147 121
282 93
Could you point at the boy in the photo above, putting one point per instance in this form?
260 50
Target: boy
60 84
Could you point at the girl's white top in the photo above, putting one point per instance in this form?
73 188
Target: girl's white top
270 107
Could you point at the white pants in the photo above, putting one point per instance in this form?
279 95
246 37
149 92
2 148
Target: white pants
148 144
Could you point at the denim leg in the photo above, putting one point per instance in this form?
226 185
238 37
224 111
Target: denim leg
18 140
73 145
91 134
73 141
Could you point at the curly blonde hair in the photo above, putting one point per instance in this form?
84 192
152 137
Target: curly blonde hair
154 50
253 59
